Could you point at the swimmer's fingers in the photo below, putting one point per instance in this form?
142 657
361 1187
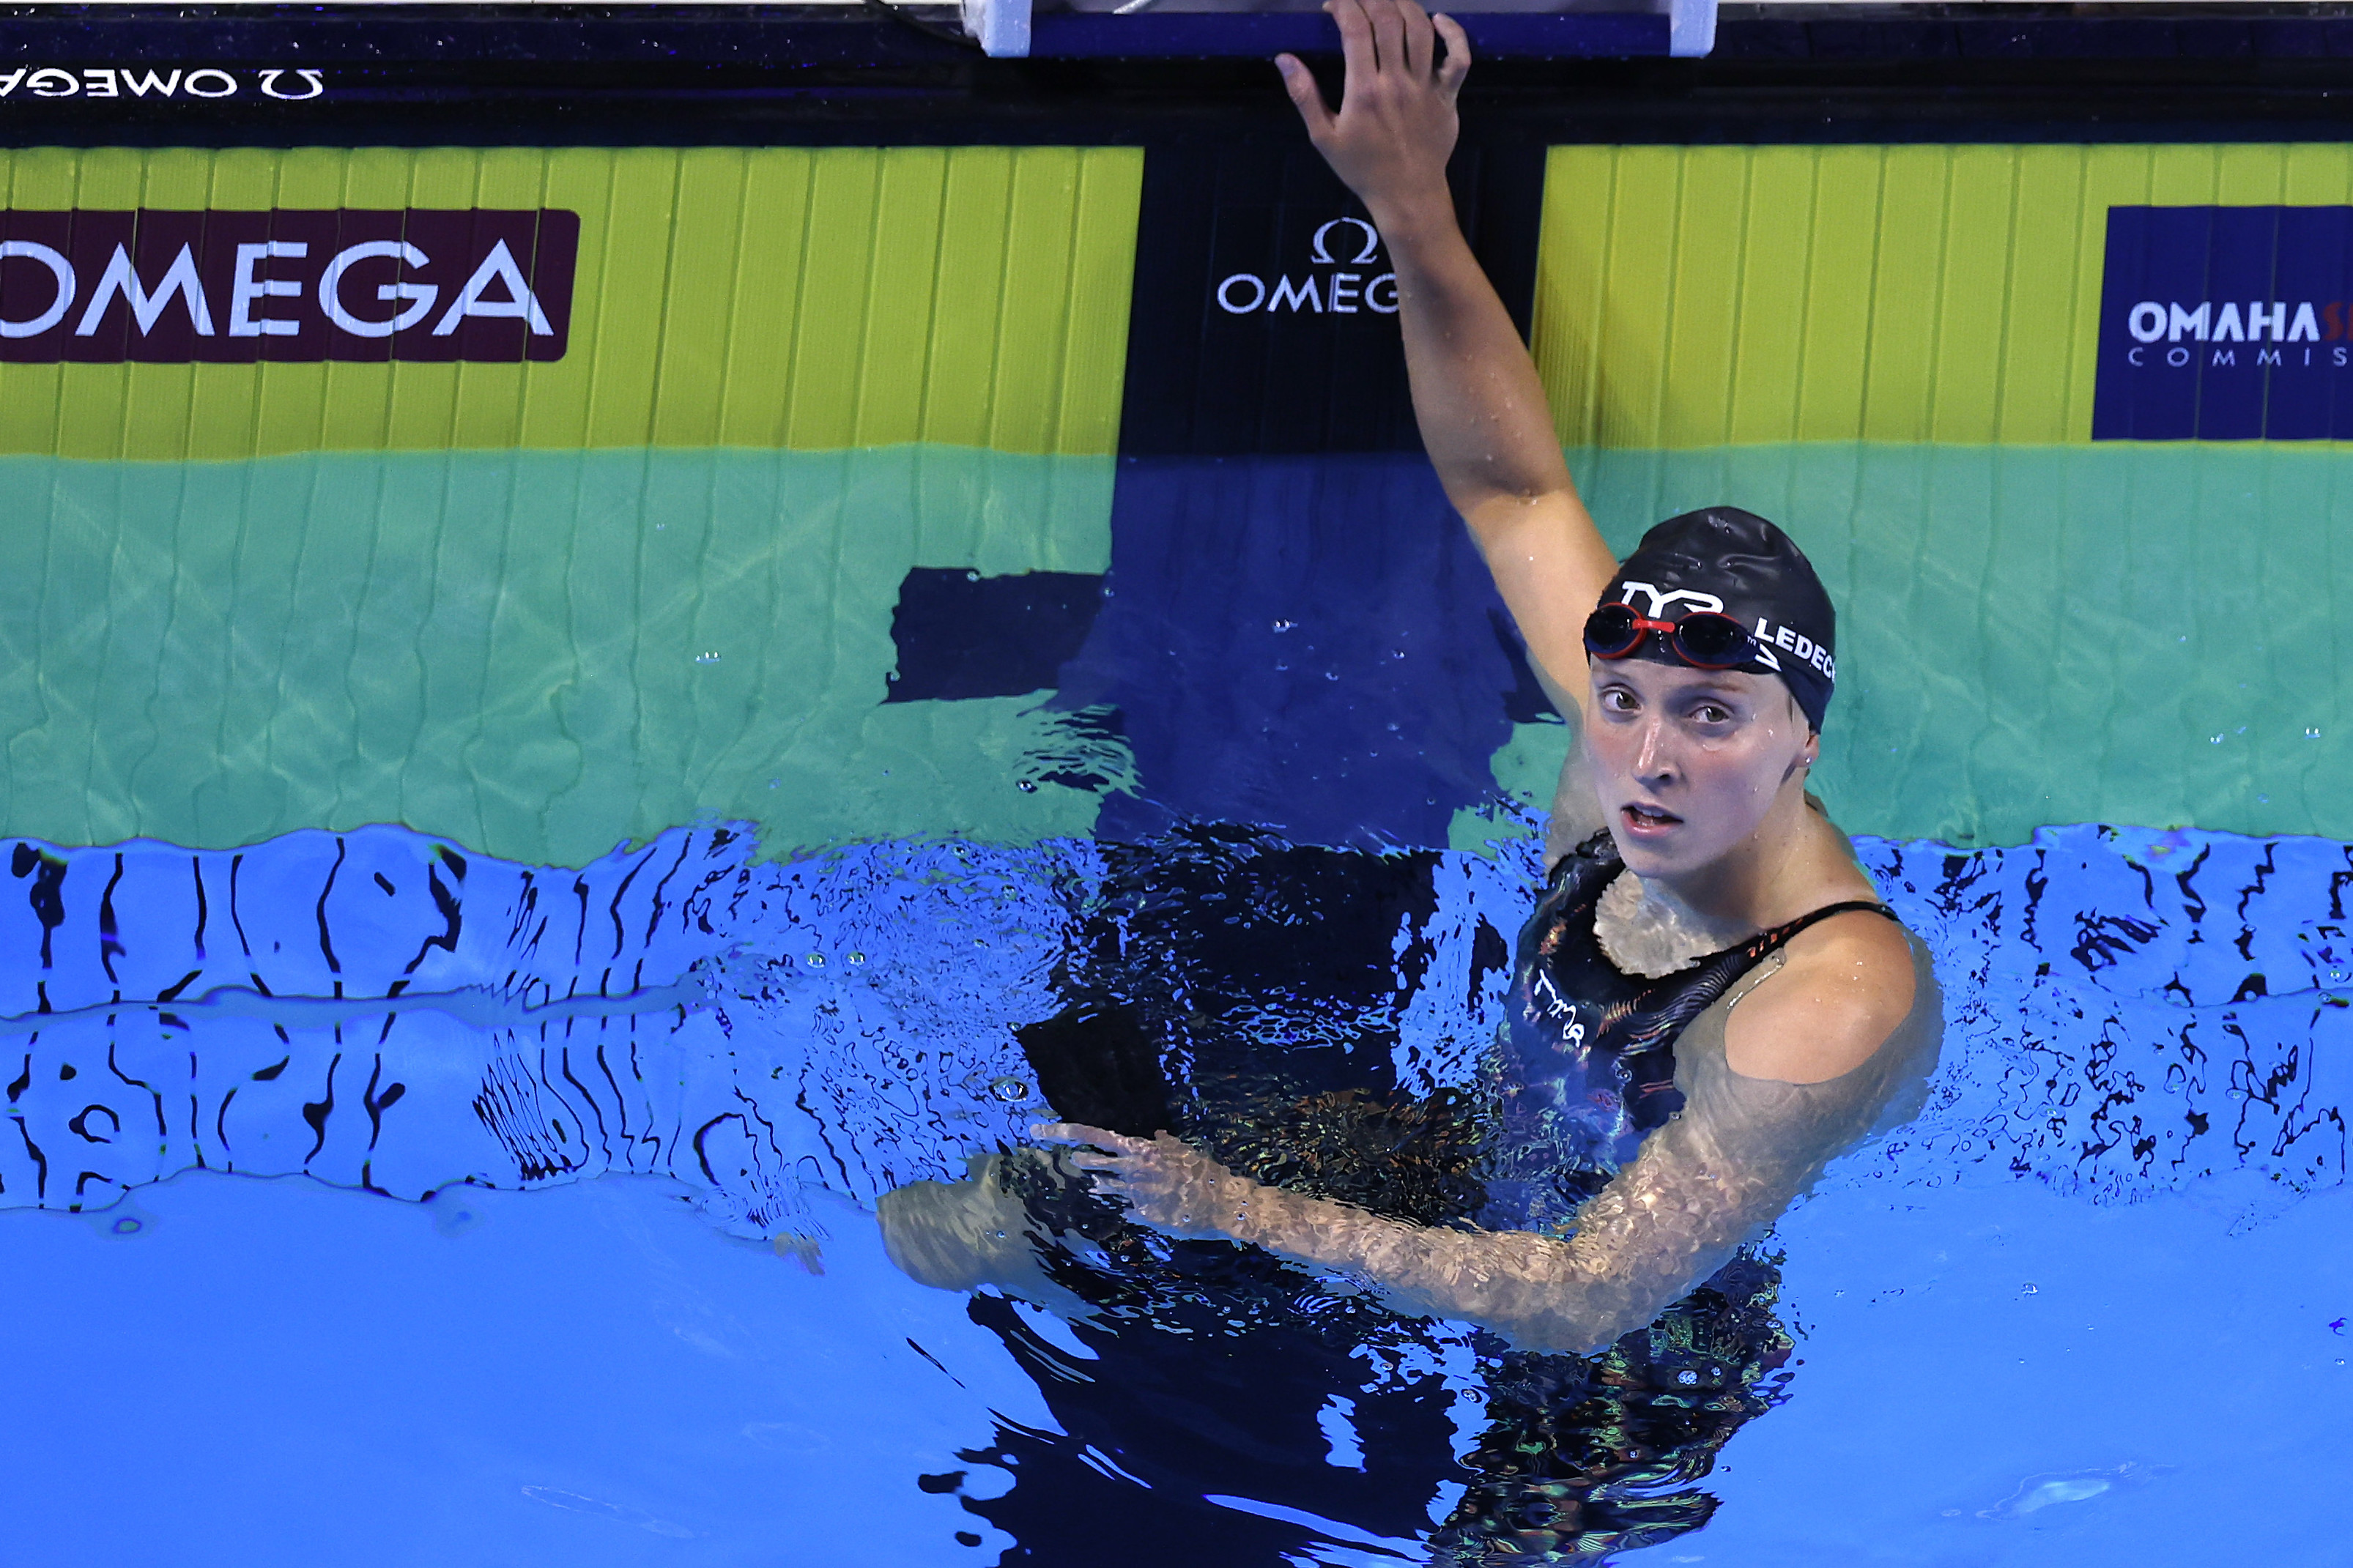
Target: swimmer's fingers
1095 1164
1357 48
1457 63
1389 29
1418 46
1306 95
1078 1134
1110 1184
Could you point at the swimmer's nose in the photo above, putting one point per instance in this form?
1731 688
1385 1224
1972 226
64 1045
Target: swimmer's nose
1649 759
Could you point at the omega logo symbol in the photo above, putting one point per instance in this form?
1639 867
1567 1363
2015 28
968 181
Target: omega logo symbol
1344 242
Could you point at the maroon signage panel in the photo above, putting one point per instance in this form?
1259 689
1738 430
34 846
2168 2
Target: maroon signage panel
236 287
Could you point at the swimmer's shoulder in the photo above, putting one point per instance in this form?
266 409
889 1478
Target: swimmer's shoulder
1844 988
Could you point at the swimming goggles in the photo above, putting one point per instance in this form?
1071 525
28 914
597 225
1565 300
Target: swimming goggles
1702 638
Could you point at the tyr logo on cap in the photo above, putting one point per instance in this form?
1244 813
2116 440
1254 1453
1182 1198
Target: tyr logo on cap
1659 601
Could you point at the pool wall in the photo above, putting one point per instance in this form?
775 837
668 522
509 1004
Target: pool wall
1895 350
544 608
961 533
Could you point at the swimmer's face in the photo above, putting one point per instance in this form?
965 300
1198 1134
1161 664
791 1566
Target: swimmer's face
1689 762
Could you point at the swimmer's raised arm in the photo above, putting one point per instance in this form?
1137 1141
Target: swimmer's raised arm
1482 409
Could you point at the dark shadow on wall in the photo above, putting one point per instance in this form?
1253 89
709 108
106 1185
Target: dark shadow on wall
960 635
1304 643
1296 632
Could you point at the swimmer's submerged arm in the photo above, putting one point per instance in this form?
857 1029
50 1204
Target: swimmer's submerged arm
1740 1151
1666 1223
1481 407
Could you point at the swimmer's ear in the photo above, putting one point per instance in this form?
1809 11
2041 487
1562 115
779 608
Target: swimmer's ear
1813 736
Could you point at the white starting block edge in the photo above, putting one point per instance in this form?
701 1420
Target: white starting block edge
1002 28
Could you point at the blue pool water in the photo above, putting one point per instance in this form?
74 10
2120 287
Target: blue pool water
340 1289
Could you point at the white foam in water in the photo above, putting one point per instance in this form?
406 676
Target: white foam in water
2043 1319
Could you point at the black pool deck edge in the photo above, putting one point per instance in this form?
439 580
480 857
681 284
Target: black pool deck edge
688 75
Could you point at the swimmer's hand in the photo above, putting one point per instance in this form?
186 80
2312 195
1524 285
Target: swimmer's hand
1166 1184
1395 127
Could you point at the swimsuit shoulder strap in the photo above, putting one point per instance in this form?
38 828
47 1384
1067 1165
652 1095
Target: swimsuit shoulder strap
1781 935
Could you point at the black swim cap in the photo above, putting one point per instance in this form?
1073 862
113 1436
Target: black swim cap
1734 562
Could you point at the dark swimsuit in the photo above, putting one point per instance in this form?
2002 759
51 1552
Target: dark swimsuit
1586 1067
1213 1362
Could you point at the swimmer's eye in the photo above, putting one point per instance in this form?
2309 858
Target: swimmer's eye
1618 699
1710 713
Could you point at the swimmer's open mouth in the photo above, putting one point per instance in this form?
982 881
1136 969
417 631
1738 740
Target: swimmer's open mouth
1649 816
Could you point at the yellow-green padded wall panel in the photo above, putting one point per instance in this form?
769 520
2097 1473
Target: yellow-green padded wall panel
1711 296
775 297
1972 260
1772 323
1906 291
1094 351
2040 317
1843 256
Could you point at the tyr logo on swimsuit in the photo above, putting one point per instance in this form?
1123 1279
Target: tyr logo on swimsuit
176 286
2226 323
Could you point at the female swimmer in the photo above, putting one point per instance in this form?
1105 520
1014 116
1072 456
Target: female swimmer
1709 1002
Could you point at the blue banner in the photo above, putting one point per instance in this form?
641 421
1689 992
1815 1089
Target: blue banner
2226 324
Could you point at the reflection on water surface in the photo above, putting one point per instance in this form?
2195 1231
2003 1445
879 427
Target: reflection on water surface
2129 1011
